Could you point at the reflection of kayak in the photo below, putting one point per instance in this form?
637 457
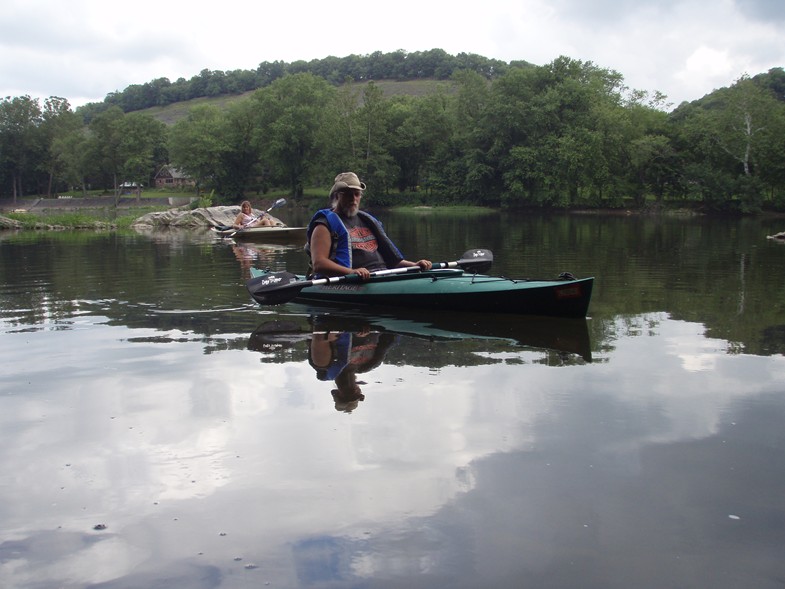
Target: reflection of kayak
262 234
453 290
552 333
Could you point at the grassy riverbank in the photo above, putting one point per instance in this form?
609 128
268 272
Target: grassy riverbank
78 219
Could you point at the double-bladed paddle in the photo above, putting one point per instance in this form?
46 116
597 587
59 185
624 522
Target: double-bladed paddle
276 288
278 203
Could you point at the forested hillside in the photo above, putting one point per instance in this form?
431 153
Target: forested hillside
568 134
171 113
400 66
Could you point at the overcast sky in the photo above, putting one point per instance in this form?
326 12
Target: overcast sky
84 49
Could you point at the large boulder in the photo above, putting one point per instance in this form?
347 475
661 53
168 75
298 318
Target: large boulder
194 218
6 223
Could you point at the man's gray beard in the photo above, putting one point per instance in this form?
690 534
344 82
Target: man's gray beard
349 212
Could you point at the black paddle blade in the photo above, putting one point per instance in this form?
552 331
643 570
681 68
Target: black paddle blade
275 288
477 261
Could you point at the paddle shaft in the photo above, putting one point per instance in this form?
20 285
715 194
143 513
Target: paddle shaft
470 259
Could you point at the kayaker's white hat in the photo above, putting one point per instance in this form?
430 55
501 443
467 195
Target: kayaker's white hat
346 180
348 394
346 403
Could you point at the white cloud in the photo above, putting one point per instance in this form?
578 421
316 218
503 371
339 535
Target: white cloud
705 65
84 49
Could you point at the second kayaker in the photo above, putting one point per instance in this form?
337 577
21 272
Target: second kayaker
344 240
246 220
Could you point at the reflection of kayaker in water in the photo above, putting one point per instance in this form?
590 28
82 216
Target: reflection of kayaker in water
248 255
341 356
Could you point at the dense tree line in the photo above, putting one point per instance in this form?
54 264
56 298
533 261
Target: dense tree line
50 150
564 135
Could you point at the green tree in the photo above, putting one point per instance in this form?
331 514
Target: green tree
74 161
771 160
57 123
652 159
141 148
374 160
511 137
106 140
296 117
549 135
197 145
240 161
646 151
20 119
127 148
741 126
346 130
418 126
732 141
461 167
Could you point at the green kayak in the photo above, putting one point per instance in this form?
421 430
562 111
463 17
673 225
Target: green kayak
450 289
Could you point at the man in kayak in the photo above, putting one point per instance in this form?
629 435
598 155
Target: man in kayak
345 240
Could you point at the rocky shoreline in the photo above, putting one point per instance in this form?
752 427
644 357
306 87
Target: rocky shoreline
192 218
172 218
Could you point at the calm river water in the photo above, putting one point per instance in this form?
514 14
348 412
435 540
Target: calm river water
159 429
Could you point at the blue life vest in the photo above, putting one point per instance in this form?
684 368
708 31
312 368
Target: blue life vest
341 248
338 361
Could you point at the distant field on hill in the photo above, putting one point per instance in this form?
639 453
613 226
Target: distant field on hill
172 113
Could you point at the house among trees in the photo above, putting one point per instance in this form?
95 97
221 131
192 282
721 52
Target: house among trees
170 177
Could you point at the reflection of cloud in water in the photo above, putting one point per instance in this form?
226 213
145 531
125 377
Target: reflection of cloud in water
686 381
171 452
687 341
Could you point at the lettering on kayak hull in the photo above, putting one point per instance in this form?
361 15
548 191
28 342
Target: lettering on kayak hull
342 287
569 292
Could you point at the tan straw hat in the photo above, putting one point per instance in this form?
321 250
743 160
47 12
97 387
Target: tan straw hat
346 180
